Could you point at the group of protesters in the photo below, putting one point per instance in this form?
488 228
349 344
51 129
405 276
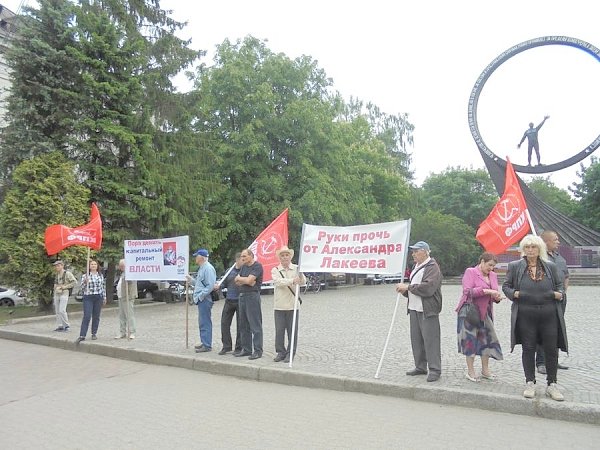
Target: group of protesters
242 300
536 284
93 288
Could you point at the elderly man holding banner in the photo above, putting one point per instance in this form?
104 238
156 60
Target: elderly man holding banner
286 278
424 292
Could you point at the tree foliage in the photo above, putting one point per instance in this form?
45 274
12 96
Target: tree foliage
464 193
45 190
554 196
587 192
282 140
92 79
452 241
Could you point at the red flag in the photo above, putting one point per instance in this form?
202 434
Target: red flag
507 223
270 239
59 237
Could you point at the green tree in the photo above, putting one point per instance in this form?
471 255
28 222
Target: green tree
587 192
42 106
282 141
104 98
452 241
465 193
45 190
554 196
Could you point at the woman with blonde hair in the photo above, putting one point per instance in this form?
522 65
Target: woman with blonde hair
536 290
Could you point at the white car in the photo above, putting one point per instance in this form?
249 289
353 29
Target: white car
11 297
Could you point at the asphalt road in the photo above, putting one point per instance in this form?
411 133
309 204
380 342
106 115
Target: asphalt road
51 398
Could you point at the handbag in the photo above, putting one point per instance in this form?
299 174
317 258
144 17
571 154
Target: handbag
471 310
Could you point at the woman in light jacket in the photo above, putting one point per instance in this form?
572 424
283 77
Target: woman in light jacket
481 284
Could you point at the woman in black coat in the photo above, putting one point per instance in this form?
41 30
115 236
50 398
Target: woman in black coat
536 288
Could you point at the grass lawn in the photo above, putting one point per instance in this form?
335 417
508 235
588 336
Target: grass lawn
17 312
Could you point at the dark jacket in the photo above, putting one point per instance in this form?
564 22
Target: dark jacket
429 289
514 274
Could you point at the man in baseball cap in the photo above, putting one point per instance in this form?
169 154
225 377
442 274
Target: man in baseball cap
421 245
424 292
204 283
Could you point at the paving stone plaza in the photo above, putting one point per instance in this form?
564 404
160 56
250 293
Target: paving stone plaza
342 333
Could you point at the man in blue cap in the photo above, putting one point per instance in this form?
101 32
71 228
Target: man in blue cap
204 283
424 292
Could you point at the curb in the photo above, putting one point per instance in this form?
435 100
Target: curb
538 407
75 313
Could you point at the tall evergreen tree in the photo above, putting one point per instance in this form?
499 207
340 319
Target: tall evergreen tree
118 114
42 106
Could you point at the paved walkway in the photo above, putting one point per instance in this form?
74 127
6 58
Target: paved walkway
77 400
342 333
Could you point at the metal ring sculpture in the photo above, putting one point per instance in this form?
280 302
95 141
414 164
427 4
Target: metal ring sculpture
489 70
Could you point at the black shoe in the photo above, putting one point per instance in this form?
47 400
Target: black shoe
560 366
279 357
203 349
79 339
287 359
541 369
414 372
198 346
242 354
224 351
255 355
433 377
59 329
94 337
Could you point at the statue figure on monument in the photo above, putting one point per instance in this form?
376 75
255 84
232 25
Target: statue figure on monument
532 141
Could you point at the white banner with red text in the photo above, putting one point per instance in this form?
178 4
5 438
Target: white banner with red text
379 248
157 259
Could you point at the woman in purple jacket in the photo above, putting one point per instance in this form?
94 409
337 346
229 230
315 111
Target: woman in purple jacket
481 282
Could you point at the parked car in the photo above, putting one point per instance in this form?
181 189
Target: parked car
11 297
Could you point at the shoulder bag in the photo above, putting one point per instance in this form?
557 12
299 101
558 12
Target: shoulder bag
471 310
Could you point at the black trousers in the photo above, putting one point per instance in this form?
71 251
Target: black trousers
230 308
538 324
251 331
540 360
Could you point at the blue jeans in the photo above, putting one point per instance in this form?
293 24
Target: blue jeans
92 306
205 322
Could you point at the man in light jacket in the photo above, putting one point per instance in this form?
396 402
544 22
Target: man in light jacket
285 279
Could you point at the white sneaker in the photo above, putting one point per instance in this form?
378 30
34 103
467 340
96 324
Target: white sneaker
529 391
132 336
553 392
120 336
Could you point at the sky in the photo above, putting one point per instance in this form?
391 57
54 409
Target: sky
423 58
